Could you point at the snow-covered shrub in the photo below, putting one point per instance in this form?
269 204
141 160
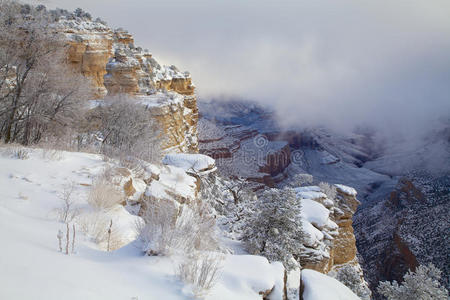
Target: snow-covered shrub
15 151
275 229
104 195
168 228
95 226
127 129
200 270
329 190
352 279
422 284
301 180
50 153
21 153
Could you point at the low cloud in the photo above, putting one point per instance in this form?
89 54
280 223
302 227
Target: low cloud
323 62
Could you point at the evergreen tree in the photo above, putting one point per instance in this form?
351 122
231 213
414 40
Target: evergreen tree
275 230
423 284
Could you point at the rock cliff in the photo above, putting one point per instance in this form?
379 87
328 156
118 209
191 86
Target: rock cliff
110 59
405 228
335 245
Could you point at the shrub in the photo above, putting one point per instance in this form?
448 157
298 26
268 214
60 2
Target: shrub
200 270
349 276
329 190
168 228
301 180
103 195
126 127
95 226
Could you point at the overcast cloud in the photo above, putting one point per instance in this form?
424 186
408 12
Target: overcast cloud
383 62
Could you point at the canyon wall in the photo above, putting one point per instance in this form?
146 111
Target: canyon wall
115 66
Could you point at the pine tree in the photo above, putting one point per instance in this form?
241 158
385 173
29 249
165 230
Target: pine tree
275 230
422 284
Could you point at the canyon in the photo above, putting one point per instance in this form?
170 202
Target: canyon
246 142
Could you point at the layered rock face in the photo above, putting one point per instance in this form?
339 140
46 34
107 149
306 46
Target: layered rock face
243 149
90 48
115 66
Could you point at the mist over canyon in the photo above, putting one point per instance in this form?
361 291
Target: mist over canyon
341 64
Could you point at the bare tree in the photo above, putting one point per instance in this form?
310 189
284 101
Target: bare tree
239 189
67 212
39 95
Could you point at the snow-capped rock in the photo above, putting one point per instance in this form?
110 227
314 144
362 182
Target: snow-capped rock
318 286
195 163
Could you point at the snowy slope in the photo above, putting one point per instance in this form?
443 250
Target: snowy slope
31 266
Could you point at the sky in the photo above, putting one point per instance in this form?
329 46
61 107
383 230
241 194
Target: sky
339 63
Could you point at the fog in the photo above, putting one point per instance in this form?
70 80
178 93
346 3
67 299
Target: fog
383 63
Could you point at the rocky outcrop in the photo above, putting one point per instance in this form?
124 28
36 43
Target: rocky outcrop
115 66
339 241
330 244
90 48
344 245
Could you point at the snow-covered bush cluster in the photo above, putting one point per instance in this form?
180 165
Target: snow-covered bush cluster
125 128
104 195
171 229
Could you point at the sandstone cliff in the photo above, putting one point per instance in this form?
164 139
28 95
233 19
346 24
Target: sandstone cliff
109 58
337 250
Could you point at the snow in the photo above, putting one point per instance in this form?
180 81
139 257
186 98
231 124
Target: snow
190 162
313 235
244 276
311 195
172 180
311 188
315 213
31 267
318 286
346 189
309 192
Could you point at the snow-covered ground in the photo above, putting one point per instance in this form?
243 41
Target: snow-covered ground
320 286
32 267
